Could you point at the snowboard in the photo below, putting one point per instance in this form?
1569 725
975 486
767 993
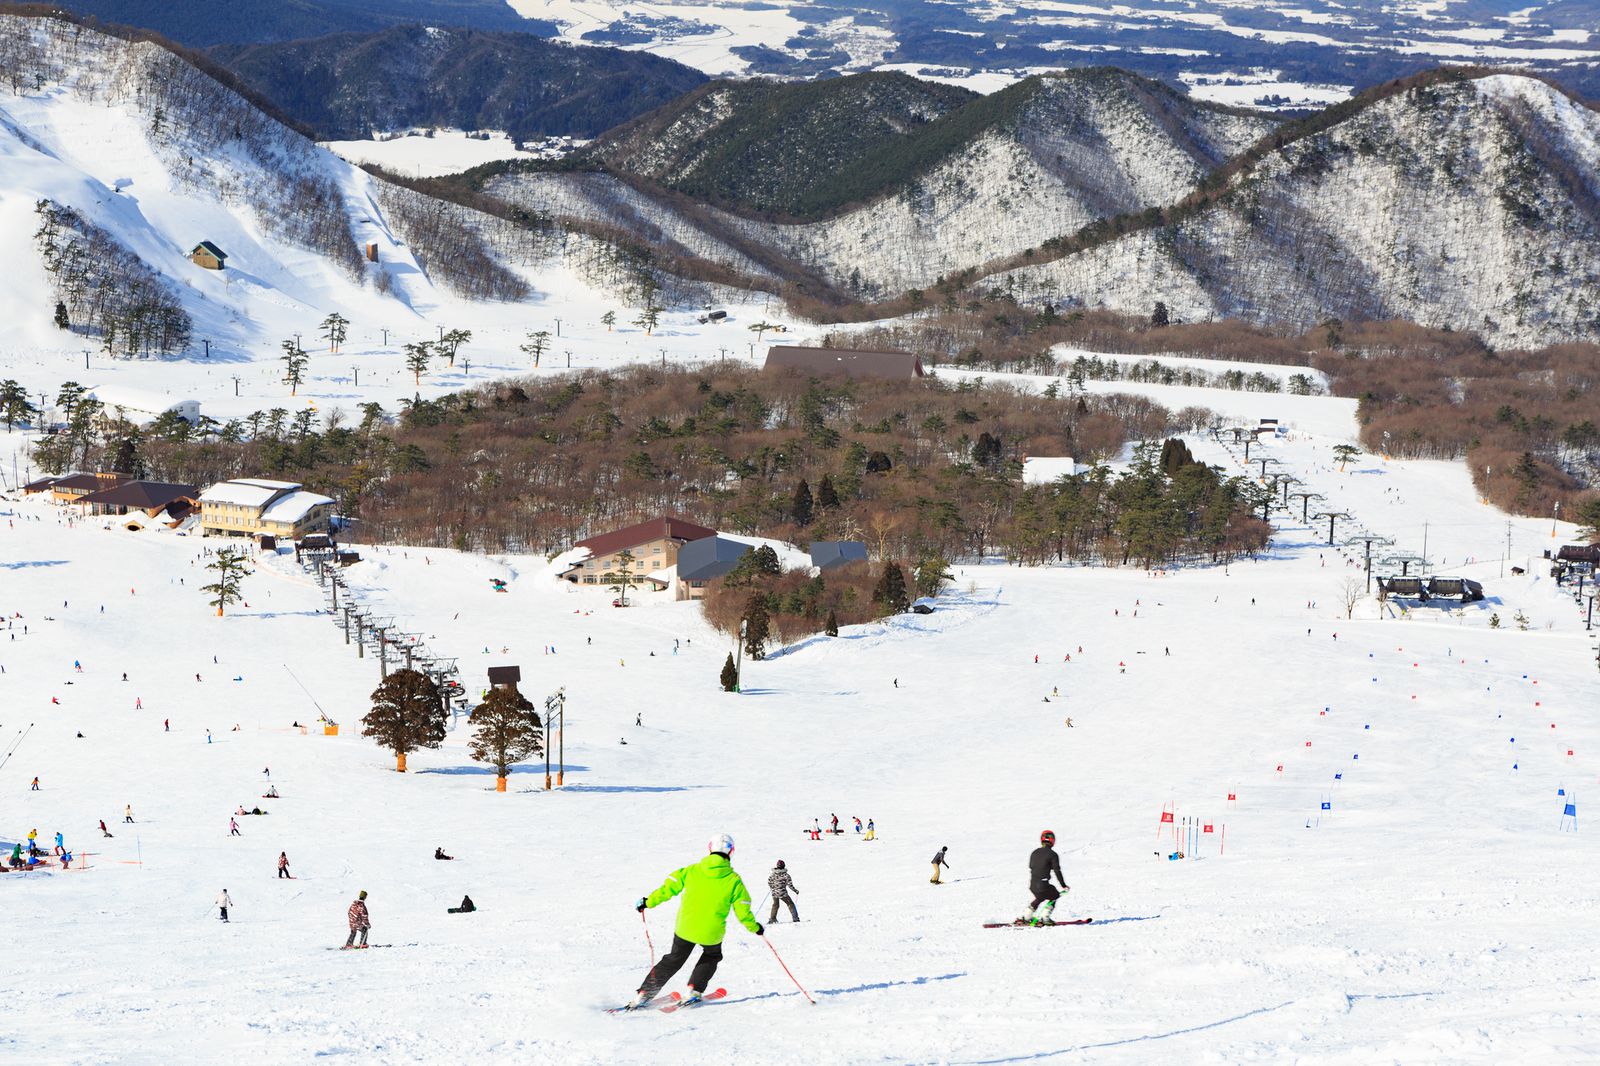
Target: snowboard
678 1001
1019 924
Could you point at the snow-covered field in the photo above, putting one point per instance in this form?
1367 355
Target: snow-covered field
422 156
1435 911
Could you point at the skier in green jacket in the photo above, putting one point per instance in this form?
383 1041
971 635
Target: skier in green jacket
710 889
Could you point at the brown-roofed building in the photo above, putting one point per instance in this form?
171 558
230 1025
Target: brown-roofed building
851 362
33 487
70 488
150 497
654 545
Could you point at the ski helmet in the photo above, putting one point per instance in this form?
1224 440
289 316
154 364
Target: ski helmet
721 844
780 864
1047 838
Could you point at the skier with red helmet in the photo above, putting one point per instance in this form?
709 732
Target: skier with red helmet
1041 864
710 890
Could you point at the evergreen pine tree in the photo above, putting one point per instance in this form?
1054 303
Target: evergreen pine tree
407 713
891 591
505 730
802 503
756 627
730 675
931 574
831 626
827 495
62 321
1160 316
230 569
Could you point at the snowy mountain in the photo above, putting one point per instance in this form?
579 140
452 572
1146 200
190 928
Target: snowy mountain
931 189
1460 202
133 157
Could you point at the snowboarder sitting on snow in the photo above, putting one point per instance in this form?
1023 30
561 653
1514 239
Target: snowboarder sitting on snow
360 922
272 792
467 906
1041 864
710 889
938 861
438 853
781 885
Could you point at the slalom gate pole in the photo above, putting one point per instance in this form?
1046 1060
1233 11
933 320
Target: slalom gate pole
785 966
647 942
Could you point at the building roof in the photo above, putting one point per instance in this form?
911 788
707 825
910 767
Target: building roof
666 527
826 554
1579 553
40 485
246 492
505 675
294 506
89 482
209 247
709 557
851 362
145 495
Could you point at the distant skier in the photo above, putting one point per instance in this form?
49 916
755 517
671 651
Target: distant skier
781 885
103 830
858 824
710 890
60 845
35 787
467 906
283 865
872 830
233 827
938 861
1041 865
127 814
360 921
223 903
836 824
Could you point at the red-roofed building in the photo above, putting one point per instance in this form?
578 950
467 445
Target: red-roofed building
653 544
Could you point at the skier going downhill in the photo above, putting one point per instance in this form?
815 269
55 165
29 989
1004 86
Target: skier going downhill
224 901
1041 864
781 885
938 861
710 890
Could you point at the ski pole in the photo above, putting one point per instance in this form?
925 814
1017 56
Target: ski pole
647 942
785 966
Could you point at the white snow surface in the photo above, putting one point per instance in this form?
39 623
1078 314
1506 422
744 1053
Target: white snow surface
1436 912
422 156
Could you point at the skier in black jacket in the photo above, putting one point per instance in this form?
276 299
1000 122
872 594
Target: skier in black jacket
1041 864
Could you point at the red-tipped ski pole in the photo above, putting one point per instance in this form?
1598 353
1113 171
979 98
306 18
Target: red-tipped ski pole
646 922
785 966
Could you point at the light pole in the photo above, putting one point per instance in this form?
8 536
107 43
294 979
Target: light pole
355 373
86 359
236 386
558 326
738 662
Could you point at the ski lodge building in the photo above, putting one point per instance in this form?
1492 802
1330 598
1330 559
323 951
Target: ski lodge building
251 507
654 545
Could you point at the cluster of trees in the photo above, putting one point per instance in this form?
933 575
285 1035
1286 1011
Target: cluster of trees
1154 372
103 289
409 714
446 240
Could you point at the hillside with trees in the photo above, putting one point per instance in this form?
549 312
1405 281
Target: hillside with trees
198 24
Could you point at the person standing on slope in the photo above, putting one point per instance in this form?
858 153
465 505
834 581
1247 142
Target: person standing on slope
223 903
710 890
283 865
938 861
360 922
781 885
1041 864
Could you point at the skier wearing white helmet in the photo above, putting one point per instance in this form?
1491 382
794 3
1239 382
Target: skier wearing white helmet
710 890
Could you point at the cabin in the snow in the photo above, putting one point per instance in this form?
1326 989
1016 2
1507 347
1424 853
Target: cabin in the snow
851 362
654 546
207 255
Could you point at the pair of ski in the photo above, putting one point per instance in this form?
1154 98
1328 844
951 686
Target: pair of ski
1021 924
673 1002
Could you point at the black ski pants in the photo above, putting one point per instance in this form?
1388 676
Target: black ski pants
673 960
1044 890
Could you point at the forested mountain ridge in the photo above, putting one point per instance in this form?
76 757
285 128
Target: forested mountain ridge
347 85
989 179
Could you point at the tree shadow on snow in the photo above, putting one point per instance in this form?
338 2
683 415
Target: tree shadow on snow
32 562
637 788
539 769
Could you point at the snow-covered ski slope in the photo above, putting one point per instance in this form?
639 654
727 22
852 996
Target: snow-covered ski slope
1435 912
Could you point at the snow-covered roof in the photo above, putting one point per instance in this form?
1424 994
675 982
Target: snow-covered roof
246 492
293 507
138 399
